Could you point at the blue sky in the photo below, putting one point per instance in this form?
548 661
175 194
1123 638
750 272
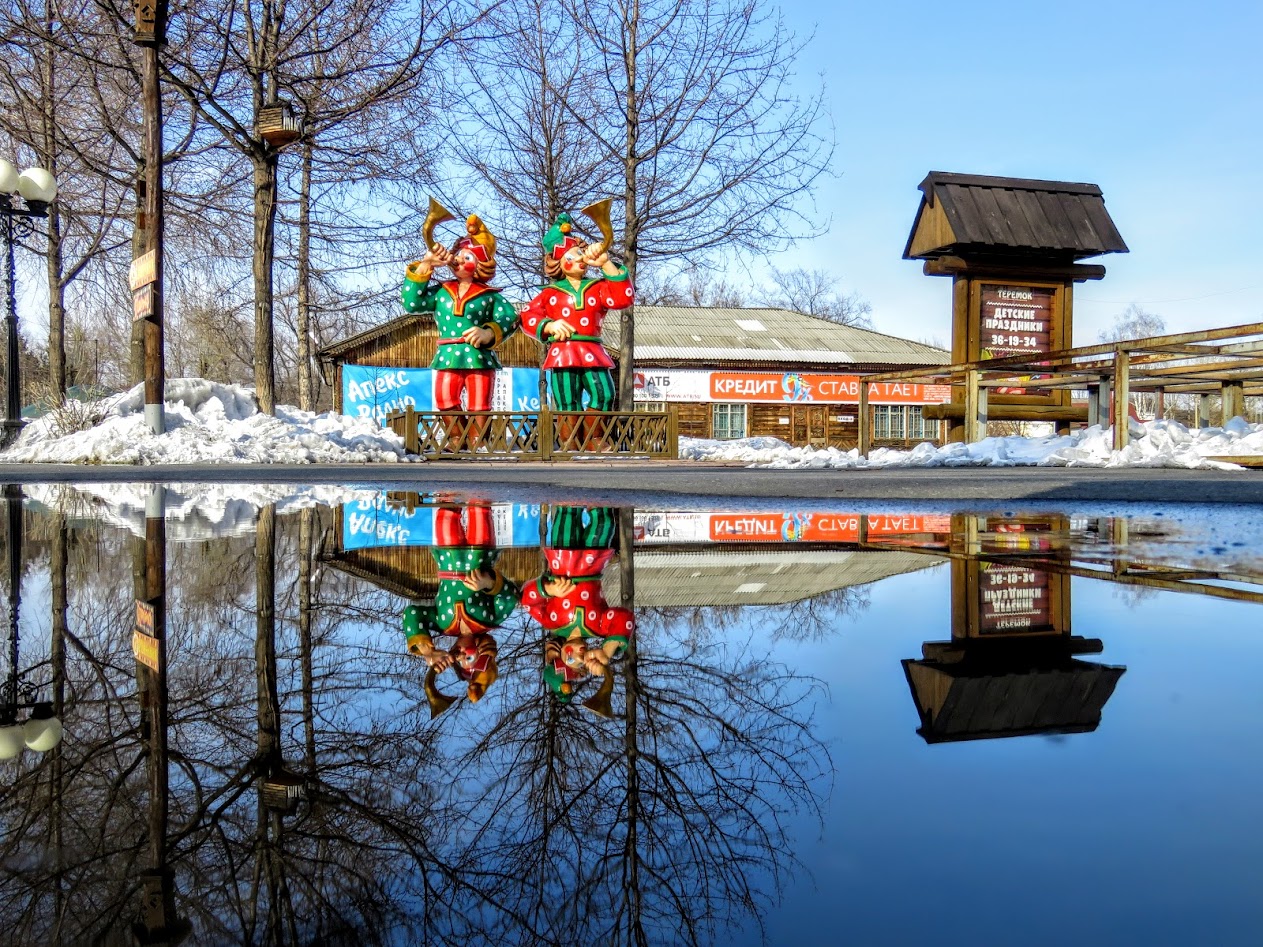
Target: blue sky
1158 103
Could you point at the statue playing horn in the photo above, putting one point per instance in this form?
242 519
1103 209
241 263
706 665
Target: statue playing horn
567 314
471 316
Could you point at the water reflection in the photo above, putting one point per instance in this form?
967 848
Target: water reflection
253 755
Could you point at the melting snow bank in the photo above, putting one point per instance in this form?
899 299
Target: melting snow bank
1153 444
206 422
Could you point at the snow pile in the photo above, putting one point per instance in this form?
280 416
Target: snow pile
193 511
1153 444
206 422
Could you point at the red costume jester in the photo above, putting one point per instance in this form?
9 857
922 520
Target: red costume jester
567 315
473 598
567 599
470 315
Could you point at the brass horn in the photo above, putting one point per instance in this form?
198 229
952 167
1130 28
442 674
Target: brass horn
438 213
599 214
600 702
437 700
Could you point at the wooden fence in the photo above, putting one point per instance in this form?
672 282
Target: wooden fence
1227 362
543 435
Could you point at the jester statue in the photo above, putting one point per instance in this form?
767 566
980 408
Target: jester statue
567 314
585 633
471 316
472 599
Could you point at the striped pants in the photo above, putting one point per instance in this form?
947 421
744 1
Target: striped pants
569 384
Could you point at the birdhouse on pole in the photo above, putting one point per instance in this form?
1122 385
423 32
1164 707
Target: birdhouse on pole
277 124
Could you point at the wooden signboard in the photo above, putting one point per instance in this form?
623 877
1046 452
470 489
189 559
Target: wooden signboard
145 647
997 318
142 303
144 617
144 270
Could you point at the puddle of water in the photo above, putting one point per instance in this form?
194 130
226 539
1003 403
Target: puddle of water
366 716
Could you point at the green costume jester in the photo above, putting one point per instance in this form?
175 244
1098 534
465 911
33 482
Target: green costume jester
472 599
567 599
567 314
470 315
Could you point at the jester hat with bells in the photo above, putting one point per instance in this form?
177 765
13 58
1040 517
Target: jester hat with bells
475 664
481 242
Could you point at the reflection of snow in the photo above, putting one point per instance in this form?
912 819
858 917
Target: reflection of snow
193 511
206 422
1153 444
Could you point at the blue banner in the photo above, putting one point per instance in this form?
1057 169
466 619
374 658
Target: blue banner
370 391
378 522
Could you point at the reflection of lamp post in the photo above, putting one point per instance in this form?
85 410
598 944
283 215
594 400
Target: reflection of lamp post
38 189
42 731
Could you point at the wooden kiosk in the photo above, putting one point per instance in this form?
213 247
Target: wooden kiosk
1012 247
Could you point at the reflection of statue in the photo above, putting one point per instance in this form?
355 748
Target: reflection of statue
473 597
568 312
585 631
471 316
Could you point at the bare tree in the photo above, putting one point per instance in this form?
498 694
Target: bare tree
816 293
1135 322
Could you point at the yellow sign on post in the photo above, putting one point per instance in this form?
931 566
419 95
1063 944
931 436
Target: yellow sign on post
145 647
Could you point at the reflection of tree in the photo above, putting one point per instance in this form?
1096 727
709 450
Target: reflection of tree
667 826
808 619
515 820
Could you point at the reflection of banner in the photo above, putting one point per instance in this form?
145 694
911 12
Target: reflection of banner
372 391
687 385
374 523
784 526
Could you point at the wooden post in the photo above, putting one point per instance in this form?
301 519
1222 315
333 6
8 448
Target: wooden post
1122 395
1160 408
673 433
545 434
973 431
1233 396
1202 418
865 425
411 442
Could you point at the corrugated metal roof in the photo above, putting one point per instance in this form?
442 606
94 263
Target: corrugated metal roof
710 334
712 577
985 213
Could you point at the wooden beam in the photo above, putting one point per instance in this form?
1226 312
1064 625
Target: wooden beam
865 421
957 266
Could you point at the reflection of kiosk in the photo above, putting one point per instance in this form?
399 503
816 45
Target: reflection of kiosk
1011 668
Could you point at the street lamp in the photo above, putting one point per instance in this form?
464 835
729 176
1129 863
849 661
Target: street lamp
42 729
37 189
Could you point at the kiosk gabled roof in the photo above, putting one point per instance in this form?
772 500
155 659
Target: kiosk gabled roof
971 214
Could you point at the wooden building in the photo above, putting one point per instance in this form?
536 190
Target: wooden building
728 372
742 372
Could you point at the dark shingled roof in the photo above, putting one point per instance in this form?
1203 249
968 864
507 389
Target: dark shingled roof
1010 216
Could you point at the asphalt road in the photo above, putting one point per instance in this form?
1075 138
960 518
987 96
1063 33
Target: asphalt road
607 480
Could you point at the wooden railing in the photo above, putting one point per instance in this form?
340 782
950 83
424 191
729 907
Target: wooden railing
543 435
1226 361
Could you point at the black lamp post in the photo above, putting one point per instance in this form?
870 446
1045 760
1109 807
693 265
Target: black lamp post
23 198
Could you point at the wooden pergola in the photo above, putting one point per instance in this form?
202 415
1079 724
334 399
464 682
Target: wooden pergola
1226 361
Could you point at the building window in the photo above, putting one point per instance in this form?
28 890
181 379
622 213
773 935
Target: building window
651 407
728 421
894 422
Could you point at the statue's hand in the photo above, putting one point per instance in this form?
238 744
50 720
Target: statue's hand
558 586
593 257
419 271
478 337
440 661
596 661
560 329
480 580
